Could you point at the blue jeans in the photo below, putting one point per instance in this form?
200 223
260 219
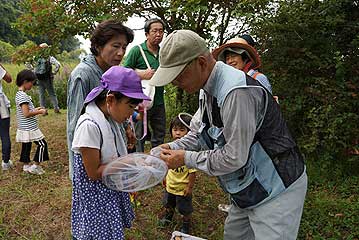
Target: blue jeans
46 83
5 139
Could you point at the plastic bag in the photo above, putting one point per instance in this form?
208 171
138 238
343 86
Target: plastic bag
156 151
176 235
134 172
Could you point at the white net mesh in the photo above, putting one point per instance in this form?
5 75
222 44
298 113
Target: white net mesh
134 172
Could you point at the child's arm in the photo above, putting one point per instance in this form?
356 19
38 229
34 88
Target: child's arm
92 162
29 113
188 190
5 75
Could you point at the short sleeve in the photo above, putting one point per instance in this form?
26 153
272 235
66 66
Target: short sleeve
21 98
131 58
2 73
88 135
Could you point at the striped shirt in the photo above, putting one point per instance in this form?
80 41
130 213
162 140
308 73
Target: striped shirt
24 123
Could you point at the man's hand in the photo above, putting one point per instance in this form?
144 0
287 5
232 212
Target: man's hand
145 74
173 158
164 146
156 151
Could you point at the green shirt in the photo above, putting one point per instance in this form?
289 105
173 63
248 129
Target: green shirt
135 60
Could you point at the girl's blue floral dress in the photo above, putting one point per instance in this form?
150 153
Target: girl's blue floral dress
98 213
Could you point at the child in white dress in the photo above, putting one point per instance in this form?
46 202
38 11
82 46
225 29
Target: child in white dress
27 125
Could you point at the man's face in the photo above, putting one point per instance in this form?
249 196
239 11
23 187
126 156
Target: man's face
155 34
191 77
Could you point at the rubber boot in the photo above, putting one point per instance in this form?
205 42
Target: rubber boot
186 227
167 219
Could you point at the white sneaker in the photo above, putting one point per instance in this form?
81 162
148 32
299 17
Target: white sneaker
224 207
35 169
6 166
26 167
40 169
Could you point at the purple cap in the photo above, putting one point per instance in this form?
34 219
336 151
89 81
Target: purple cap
119 79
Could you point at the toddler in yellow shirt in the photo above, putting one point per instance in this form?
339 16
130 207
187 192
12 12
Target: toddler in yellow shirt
179 182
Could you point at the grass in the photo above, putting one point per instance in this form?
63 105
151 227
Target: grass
38 207
60 84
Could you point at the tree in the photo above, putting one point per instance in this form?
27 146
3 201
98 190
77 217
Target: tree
311 52
60 19
9 11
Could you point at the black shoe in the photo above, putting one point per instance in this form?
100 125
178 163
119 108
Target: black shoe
164 222
186 227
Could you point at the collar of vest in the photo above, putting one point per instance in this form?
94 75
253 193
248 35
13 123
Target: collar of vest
223 80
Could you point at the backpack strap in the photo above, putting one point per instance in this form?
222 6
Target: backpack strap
255 75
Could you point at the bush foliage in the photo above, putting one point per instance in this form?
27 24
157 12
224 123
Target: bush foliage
312 59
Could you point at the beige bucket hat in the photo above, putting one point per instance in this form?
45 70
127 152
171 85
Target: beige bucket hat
239 46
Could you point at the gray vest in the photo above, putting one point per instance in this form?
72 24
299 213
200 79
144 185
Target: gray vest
273 164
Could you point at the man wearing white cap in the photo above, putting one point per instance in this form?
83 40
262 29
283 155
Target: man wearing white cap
247 143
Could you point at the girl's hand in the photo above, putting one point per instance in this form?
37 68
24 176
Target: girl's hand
164 183
42 110
131 138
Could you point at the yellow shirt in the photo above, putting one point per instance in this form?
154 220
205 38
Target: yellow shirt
177 180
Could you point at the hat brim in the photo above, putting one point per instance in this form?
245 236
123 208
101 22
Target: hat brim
253 55
137 96
164 76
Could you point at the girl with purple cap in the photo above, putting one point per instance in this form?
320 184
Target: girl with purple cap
97 211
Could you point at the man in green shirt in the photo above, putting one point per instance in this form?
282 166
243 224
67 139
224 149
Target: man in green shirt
156 116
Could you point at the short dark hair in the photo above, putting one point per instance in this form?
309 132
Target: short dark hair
25 75
177 122
105 31
153 20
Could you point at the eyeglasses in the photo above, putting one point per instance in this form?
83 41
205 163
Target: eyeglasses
155 31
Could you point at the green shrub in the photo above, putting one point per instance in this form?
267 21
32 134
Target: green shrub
178 101
6 50
60 84
312 61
